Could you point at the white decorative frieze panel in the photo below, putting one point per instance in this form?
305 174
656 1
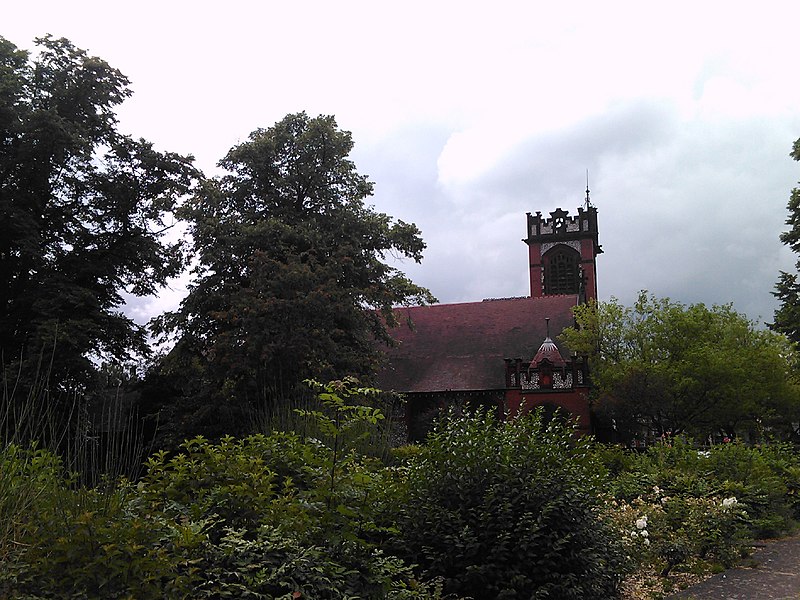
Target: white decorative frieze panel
562 383
574 244
531 383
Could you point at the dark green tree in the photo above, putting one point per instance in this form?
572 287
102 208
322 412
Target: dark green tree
787 290
84 211
291 280
662 366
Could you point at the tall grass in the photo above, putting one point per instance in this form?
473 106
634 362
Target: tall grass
98 436
31 410
52 434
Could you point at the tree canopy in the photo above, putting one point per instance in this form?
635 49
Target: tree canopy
787 290
662 366
84 210
291 279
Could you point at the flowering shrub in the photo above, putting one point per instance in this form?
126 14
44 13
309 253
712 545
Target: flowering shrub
700 508
669 531
765 479
729 502
502 510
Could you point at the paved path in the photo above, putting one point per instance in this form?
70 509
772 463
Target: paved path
774 575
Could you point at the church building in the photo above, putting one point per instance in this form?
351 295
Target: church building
503 354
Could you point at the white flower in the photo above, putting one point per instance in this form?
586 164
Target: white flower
644 533
641 523
664 500
646 542
634 533
728 502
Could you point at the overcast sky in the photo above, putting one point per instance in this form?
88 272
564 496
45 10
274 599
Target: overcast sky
466 116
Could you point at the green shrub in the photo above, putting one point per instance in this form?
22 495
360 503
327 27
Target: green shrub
247 518
665 532
282 516
764 479
708 528
28 478
502 510
268 564
94 543
784 461
615 458
704 505
232 483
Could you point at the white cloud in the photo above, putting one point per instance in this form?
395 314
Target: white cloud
468 115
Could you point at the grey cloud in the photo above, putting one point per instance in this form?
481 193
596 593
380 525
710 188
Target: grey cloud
690 210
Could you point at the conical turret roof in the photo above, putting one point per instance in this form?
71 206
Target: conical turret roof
548 351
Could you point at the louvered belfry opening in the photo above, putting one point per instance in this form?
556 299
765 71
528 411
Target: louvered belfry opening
561 271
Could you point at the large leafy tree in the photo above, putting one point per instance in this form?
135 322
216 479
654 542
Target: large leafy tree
662 366
291 279
84 211
787 290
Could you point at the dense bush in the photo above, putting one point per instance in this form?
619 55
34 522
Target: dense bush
662 532
702 507
272 521
268 516
484 509
764 479
92 544
28 479
506 510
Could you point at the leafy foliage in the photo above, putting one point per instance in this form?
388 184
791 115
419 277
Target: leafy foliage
291 281
26 476
85 209
681 531
248 518
502 510
661 366
683 512
787 290
98 544
486 509
701 507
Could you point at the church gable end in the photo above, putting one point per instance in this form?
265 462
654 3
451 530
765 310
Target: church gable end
491 353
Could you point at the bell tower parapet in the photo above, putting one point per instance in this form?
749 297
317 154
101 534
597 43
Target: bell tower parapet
562 251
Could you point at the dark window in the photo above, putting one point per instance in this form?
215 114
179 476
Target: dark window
561 272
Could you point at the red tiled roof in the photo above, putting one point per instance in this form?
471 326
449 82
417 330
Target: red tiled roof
462 346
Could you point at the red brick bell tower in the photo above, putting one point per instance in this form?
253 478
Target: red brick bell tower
562 252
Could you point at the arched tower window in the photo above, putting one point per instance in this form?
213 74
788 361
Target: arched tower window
561 271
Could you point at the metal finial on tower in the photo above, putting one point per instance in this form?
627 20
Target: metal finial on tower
588 204
547 322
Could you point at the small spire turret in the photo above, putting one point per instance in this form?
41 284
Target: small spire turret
548 351
588 203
